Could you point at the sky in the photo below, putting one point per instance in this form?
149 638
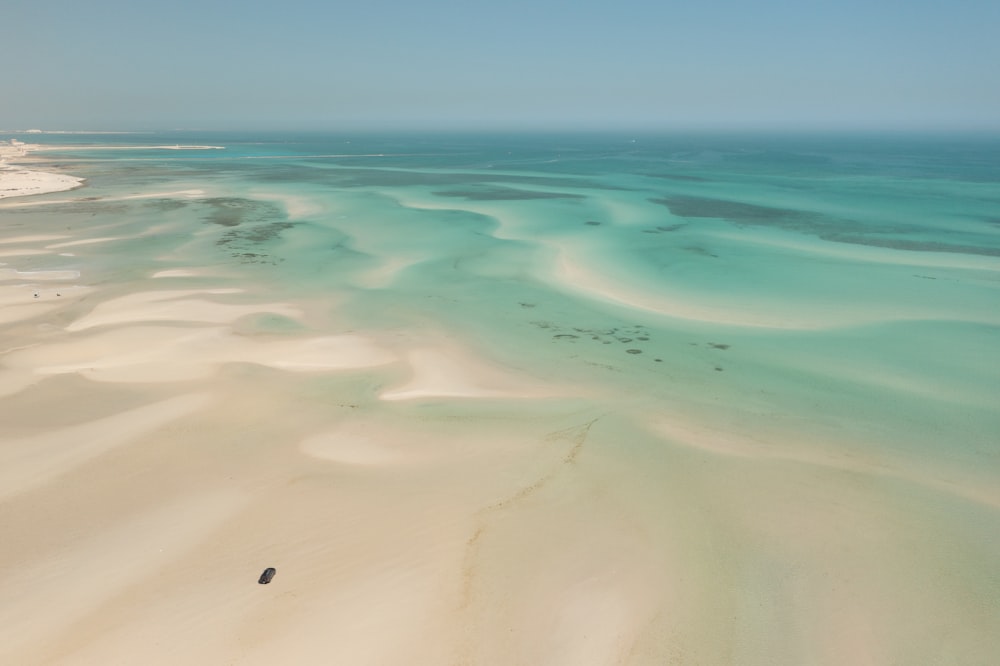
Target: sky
516 64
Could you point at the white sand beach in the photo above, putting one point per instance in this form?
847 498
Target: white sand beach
169 434
138 514
18 182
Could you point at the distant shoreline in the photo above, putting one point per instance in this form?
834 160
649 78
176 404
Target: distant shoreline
16 181
19 182
37 148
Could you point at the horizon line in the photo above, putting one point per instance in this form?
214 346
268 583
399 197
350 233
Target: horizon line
637 129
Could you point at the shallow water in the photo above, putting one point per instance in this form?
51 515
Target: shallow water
827 305
798 254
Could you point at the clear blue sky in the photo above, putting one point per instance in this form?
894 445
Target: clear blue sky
129 64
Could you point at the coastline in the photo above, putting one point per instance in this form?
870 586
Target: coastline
617 475
16 181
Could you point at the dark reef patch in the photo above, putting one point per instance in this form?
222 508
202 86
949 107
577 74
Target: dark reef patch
664 229
826 227
694 249
165 205
736 211
244 242
234 211
606 336
250 223
254 235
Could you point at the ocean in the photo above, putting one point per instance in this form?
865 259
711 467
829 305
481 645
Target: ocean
743 390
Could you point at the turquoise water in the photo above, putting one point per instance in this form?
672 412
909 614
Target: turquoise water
849 280
790 344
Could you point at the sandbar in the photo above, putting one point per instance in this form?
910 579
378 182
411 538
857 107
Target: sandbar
18 182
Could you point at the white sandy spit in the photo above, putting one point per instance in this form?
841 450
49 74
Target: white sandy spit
19 182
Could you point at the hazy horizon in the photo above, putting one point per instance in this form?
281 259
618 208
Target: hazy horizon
634 66
283 132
